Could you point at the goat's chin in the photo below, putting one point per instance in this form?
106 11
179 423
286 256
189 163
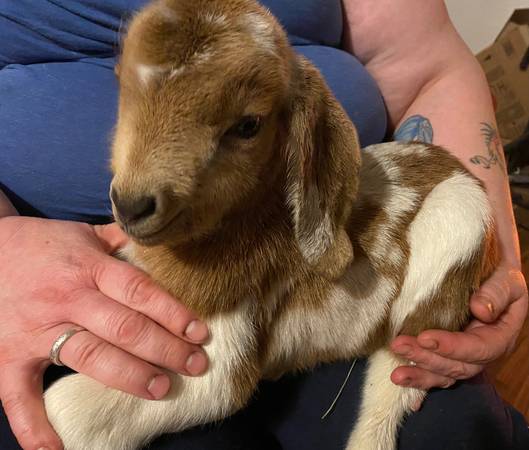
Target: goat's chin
173 234
169 239
153 232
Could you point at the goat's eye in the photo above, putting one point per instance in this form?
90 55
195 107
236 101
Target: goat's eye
247 127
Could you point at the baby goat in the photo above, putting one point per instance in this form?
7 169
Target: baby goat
237 174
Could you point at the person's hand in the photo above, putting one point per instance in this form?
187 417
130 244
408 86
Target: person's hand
499 308
55 275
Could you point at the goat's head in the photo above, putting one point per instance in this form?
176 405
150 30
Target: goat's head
212 101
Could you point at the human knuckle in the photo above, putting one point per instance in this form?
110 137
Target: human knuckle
175 313
448 383
505 347
128 328
128 377
25 433
424 383
174 355
138 291
457 371
485 353
524 289
89 352
517 276
13 403
495 289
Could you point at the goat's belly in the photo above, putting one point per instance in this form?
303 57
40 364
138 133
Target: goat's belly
341 324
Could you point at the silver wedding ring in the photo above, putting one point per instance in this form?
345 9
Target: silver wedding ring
59 342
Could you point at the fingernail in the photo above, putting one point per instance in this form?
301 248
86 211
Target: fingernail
158 386
197 331
43 448
404 350
429 344
196 363
489 306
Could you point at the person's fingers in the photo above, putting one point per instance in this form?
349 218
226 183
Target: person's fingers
496 294
480 343
21 395
138 335
407 376
133 288
96 358
408 348
111 236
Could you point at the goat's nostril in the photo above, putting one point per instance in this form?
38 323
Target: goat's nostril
133 210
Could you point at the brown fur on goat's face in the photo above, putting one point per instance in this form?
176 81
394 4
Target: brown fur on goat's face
176 137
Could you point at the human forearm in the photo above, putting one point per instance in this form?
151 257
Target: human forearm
423 67
458 107
6 207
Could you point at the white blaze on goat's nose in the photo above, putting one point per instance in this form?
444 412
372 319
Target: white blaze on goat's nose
122 144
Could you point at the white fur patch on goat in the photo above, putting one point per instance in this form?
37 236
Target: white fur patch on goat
146 72
167 13
203 56
176 72
359 297
401 201
396 200
385 152
219 20
447 230
261 30
313 244
199 57
383 405
370 295
313 226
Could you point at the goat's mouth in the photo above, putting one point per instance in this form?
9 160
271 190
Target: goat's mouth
149 236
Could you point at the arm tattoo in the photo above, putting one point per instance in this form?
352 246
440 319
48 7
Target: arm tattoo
415 128
493 143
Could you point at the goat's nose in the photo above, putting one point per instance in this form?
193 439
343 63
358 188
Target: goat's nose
133 209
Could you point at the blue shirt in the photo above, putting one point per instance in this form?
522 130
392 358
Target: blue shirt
58 94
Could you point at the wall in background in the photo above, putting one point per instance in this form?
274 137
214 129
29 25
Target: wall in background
480 21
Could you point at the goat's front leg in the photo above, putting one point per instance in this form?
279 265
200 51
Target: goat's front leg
384 405
88 415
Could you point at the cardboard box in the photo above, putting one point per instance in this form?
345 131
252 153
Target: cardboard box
503 64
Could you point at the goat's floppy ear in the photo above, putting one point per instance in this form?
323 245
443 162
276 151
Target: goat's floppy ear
323 161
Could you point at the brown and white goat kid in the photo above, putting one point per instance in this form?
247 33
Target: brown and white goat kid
238 176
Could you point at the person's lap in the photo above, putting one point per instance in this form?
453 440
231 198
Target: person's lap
286 415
